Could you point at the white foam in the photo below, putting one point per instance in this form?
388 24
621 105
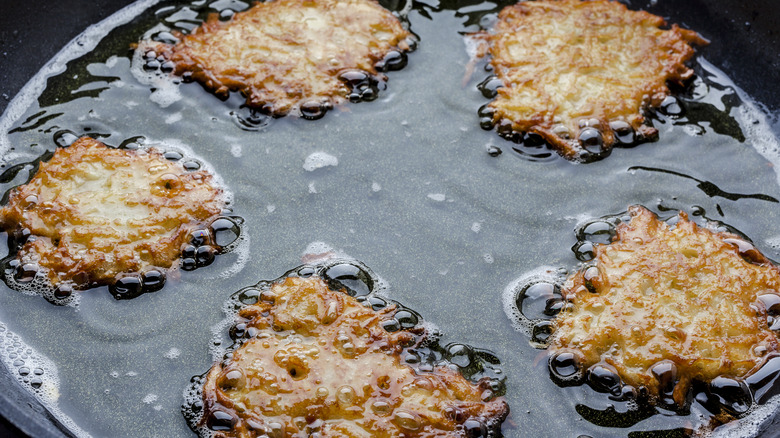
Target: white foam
375 187
774 242
166 90
512 292
173 353
476 227
318 160
173 118
749 425
12 349
438 197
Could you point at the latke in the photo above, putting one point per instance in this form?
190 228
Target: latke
94 213
321 364
291 55
666 306
581 73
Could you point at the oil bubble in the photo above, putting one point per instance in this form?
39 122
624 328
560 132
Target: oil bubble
604 378
314 110
565 367
205 255
591 140
127 286
623 132
493 150
671 107
352 278
597 231
153 280
732 394
489 87
393 60
64 138
532 300
250 119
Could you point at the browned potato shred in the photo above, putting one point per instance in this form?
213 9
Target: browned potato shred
684 295
283 54
322 365
569 64
95 212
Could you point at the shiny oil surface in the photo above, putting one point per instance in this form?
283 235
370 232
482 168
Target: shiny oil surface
414 195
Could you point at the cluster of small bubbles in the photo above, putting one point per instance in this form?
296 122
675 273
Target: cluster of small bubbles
250 119
403 319
422 351
131 285
221 236
486 114
34 372
192 408
154 62
479 366
30 279
172 353
318 160
363 86
528 146
597 231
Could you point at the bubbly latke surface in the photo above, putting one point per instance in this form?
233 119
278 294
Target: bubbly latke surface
321 364
95 212
658 294
567 65
285 54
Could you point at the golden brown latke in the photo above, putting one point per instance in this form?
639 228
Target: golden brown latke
322 363
284 54
95 212
659 295
567 65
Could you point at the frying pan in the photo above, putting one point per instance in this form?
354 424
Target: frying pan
426 271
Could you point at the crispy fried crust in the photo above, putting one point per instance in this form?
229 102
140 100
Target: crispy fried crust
684 295
282 54
95 212
568 64
322 363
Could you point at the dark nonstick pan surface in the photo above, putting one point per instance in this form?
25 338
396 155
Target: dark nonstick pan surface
414 196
